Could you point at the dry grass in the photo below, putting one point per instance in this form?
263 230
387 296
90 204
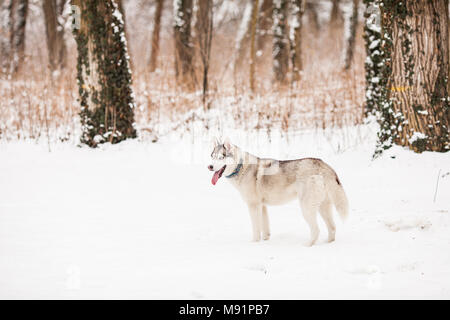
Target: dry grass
36 105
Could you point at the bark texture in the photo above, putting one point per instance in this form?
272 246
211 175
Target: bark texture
103 74
418 74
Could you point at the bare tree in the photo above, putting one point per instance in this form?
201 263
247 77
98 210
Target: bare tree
280 40
264 24
5 34
14 18
313 17
155 36
204 28
104 75
243 37
298 8
254 20
55 33
350 35
184 52
336 14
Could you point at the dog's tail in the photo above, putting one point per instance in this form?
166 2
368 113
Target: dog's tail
339 198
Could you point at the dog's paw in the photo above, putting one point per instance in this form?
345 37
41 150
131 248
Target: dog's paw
266 236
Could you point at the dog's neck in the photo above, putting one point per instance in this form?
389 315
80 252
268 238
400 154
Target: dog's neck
243 160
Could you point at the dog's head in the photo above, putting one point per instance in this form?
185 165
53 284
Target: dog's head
222 160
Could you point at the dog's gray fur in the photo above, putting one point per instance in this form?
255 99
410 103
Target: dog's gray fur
263 182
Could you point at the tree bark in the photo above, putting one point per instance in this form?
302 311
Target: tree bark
350 43
5 34
252 44
280 41
155 37
204 28
418 77
296 43
264 24
184 52
55 34
104 76
336 15
376 81
18 12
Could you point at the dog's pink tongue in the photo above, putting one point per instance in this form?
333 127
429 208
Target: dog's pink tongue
215 177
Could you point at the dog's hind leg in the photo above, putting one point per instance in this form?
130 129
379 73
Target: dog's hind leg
326 212
256 218
310 215
265 224
310 201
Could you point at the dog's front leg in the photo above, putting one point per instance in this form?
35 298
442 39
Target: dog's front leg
256 218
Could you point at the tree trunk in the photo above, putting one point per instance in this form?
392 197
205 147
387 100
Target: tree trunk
204 28
104 75
55 35
264 24
155 37
351 34
280 41
17 24
376 82
252 43
417 111
243 37
336 15
296 44
184 52
313 17
5 34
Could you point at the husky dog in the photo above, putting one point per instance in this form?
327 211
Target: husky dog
263 182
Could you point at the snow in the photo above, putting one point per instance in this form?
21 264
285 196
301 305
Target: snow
142 220
417 136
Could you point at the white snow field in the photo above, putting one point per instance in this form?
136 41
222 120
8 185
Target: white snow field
142 220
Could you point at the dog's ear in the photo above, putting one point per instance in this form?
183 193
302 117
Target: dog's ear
227 144
214 142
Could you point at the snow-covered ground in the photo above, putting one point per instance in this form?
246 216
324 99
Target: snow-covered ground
142 220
